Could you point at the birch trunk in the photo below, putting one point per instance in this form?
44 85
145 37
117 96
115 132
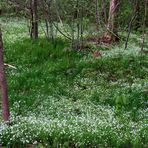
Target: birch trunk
111 34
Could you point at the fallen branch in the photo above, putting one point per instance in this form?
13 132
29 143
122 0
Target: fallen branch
10 66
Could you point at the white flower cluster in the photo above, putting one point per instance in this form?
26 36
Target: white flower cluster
79 122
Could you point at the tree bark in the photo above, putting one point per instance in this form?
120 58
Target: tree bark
3 84
144 25
104 13
137 10
97 16
111 34
34 19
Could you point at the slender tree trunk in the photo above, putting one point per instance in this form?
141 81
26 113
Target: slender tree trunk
144 25
130 25
104 13
81 27
97 16
78 24
34 19
129 30
49 21
137 10
3 84
111 18
111 34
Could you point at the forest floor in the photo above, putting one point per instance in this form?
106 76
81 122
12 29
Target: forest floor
65 98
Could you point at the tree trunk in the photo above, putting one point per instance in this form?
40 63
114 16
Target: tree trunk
97 16
111 34
137 10
104 13
34 19
3 84
144 25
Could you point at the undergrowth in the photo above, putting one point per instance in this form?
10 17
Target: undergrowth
62 98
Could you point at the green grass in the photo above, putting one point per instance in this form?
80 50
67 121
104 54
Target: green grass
69 99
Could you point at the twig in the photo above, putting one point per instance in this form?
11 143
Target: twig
11 66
